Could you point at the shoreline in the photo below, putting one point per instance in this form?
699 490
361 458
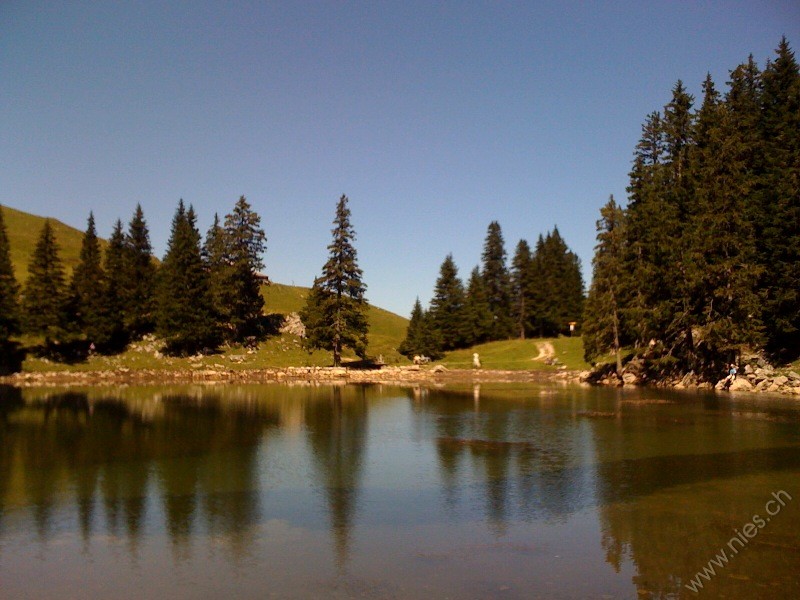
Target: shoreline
393 375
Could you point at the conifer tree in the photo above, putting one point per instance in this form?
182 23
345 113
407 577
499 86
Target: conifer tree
722 303
141 275
114 289
88 306
520 288
410 346
478 319
556 275
678 129
214 257
538 294
44 297
185 315
447 306
244 243
335 314
603 327
421 339
497 283
779 236
9 289
651 224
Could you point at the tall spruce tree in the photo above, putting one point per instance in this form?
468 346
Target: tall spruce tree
185 315
421 338
215 259
497 283
674 308
556 277
447 306
114 290
141 274
244 243
521 288
335 314
722 303
9 289
44 297
478 319
411 344
603 327
779 236
651 222
88 304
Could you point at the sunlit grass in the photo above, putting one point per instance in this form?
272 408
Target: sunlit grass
23 233
520 355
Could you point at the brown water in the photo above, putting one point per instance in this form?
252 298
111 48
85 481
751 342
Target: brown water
505 491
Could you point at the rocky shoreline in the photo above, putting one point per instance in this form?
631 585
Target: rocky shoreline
754 379
412 374
757 376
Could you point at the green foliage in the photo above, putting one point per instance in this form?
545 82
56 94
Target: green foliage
422 338
557 283
711 244
778 226
213 254
521 283
89 306
233 255
114 290
478 319
602 326
335 314
185 315
541 296
140 271
497 283
44 301
9 288
447 310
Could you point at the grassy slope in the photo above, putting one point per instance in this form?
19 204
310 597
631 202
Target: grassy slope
386 329
23 233
519 355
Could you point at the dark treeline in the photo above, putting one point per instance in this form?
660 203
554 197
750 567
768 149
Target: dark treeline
539 295
704 262
200 295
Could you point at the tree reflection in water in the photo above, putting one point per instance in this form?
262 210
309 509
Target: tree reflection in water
251 469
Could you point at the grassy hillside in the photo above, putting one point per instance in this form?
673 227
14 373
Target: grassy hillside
521 355
386 329
23 232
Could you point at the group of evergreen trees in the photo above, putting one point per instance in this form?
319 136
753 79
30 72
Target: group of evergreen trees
539 295
705 259
199 296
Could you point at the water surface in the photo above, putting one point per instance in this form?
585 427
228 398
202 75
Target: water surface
499 491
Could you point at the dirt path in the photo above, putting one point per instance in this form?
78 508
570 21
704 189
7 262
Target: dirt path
546 351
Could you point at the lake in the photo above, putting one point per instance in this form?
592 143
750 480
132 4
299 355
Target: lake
317 491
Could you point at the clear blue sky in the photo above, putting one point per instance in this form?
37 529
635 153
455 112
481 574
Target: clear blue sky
435 118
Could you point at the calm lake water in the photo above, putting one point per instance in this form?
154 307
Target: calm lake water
499 491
